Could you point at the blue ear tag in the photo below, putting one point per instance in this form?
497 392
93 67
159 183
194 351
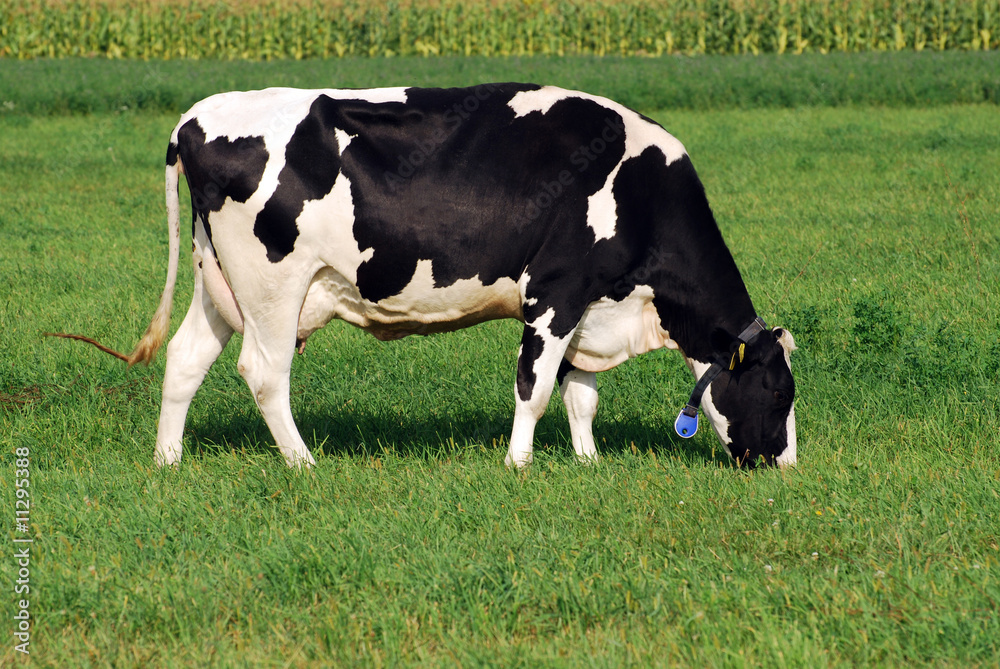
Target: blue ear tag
687 422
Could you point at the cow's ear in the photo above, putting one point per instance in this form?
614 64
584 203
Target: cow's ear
784 337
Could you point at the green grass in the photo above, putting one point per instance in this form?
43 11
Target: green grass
869 231
72 86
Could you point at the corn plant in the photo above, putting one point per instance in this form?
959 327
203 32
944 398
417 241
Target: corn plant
270 29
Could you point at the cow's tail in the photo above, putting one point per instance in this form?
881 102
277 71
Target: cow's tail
159 326
151 341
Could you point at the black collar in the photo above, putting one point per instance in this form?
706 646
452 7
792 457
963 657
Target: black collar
687 420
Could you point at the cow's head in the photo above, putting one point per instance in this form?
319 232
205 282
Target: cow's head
751 406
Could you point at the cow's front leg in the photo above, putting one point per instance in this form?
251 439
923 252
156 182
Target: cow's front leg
537 366
579 393
265 364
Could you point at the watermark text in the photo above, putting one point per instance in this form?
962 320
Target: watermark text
22 549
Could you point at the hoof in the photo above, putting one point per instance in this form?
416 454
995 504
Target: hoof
519 461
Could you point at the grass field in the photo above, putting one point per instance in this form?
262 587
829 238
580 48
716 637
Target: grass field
76 86
870 231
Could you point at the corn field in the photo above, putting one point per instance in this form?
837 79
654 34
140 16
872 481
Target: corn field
272 30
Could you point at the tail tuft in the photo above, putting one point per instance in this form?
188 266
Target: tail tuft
147 347
155 334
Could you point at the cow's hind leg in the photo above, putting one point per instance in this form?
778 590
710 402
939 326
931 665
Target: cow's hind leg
579 393
265 363
537 366
196 345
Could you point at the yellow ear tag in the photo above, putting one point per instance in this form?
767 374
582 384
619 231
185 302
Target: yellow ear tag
732 363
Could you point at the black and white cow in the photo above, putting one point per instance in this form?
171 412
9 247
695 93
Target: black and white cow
415 211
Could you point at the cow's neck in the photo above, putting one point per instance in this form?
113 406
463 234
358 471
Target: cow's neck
700 297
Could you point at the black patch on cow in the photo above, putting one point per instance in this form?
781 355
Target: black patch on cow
565 367
219 169
171 154
532 345
312 163
666 227
451 176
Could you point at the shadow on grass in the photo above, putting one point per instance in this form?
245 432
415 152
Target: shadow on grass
365 434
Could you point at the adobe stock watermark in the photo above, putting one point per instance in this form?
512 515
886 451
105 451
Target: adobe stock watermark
424 149
582 158
22 549
655 261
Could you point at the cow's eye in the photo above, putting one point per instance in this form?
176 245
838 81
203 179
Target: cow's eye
781 397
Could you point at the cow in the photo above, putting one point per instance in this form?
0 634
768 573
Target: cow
418 210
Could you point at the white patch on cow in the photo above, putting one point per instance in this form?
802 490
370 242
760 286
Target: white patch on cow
522 287
235 244
579 393
420 308
272 113
326 230
373 95
719 422
611 332
602 210
240 114
343 139
420 302
540 100
788 344
788 456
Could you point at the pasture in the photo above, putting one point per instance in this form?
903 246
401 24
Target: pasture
868 230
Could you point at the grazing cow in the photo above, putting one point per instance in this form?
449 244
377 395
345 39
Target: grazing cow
415 211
